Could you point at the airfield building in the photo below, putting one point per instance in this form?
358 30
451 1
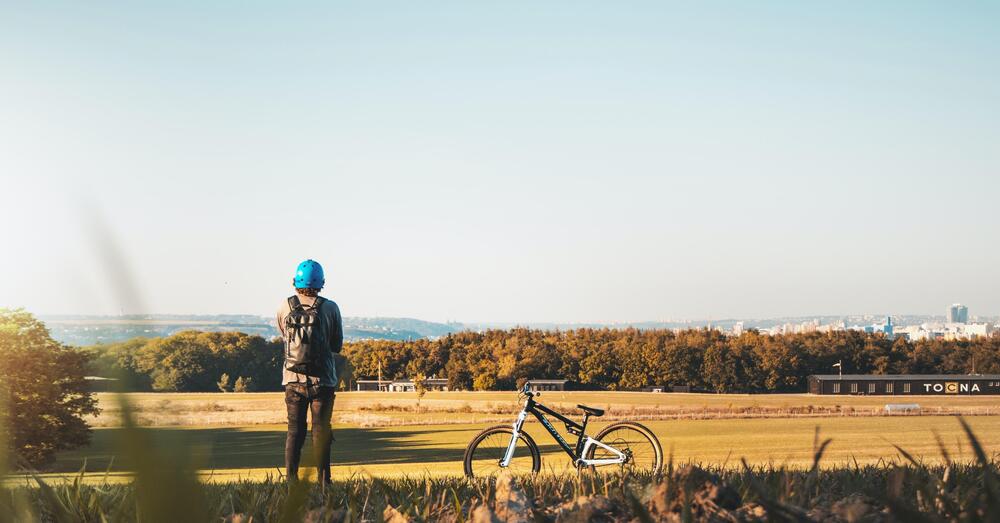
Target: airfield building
410 385
905 384
372 385
537 385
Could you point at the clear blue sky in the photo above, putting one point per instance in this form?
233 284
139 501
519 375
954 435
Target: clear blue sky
505 161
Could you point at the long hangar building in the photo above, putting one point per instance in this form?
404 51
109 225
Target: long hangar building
905 384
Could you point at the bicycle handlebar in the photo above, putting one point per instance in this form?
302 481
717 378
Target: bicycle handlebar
528 393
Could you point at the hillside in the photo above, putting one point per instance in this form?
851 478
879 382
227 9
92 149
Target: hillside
81 330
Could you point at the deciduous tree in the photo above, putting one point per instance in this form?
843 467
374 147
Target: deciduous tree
42 383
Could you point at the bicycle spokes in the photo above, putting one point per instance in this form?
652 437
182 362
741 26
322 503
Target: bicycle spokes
639 450
624 444
486 453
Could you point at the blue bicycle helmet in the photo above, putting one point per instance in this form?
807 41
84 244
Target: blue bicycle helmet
309 275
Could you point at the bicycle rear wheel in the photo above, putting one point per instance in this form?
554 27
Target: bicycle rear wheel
638 443
487 449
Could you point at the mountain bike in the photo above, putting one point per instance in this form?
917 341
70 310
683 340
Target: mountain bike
624 445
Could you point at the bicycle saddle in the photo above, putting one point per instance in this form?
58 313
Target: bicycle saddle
591 410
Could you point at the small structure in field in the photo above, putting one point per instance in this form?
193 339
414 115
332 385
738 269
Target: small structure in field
372 385
905 384
410 386
100 384
902 407
542 385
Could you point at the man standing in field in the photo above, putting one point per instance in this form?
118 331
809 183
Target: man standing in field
313 332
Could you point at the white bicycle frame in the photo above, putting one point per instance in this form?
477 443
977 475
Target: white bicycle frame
588 443
617 460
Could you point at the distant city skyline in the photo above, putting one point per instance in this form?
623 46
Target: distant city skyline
87 330
224 318
696 320
516 162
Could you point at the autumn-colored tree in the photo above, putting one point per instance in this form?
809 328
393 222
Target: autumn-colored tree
225 383
611 359
484 381
420 387
243 384
43 387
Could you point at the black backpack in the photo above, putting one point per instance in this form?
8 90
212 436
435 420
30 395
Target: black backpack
306 346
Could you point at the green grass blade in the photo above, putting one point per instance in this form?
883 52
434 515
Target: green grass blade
989 477
166 486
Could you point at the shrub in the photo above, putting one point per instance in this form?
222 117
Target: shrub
243 384
225 383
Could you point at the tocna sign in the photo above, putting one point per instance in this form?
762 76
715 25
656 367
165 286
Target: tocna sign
951 387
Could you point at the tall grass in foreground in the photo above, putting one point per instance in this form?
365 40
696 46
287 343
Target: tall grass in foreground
955 492
166 489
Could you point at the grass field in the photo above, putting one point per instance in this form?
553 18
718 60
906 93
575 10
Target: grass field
240 443
958 492
372 409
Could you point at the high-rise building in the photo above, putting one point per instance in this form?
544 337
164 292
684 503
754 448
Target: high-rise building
957 313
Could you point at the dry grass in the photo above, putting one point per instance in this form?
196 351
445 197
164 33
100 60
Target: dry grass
902 489
384 409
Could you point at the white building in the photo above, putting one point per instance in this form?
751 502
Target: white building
946 331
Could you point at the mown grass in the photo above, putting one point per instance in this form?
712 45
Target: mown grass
251 452
166 487
396 408
912 491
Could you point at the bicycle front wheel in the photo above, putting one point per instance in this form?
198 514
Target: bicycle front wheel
642 450
485 453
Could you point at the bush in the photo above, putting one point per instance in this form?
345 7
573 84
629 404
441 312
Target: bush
42 382
243 384
225 383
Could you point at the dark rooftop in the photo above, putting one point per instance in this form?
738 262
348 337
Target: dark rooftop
907 376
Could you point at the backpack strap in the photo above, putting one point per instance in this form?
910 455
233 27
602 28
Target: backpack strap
294 303
319 301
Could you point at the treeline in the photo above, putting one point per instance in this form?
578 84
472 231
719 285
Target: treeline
627 359
192 361
630 359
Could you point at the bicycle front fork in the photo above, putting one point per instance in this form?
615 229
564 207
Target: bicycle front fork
509 455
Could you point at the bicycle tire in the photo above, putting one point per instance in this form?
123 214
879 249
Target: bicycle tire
657 464
470 451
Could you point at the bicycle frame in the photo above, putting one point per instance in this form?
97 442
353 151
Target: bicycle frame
583 442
